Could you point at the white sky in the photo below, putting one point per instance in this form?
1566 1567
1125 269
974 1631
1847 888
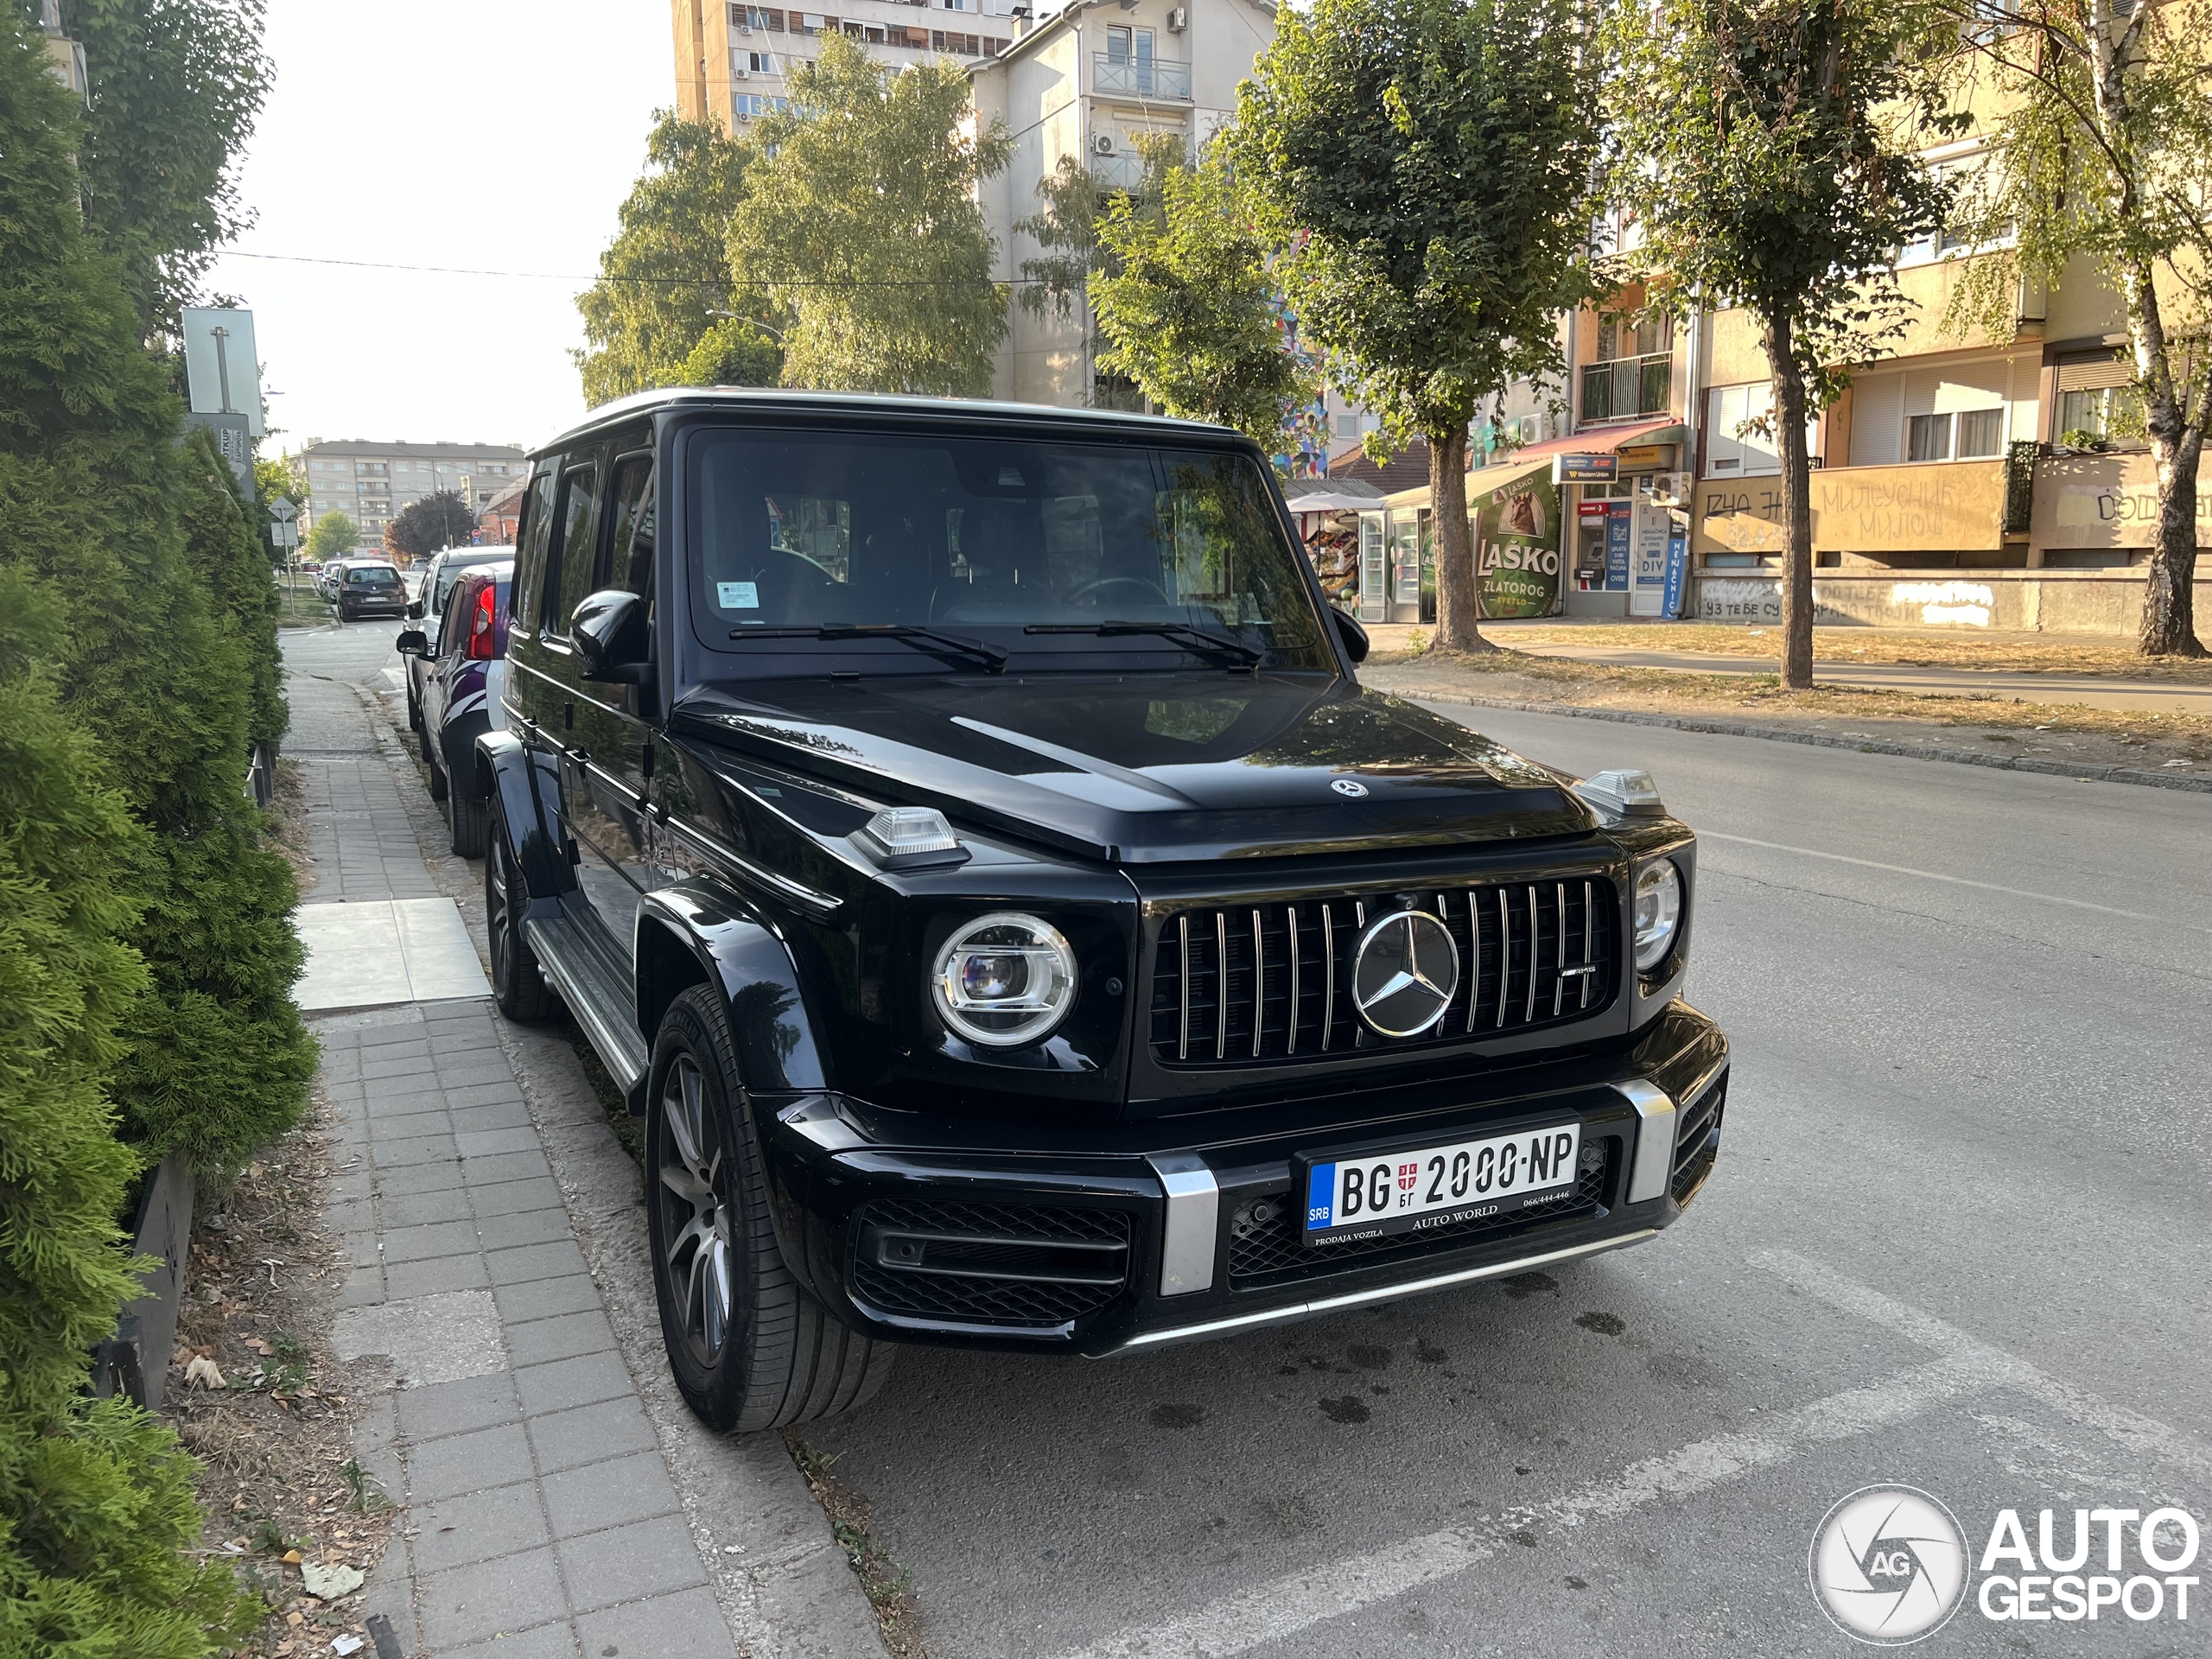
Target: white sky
474 133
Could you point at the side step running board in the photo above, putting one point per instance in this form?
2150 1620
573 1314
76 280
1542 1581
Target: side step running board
598 999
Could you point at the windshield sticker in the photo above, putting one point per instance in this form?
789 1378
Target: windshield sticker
739 596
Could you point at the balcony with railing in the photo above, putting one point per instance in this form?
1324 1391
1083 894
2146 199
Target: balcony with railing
1627 389
1117 172
1112 76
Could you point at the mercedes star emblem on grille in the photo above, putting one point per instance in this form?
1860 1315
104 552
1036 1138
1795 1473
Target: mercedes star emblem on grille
1350 787
1406 970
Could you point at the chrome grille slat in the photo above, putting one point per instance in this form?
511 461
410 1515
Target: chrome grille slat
1183 1045
1199 954
1221 984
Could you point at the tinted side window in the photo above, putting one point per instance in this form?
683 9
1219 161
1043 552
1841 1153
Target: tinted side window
628 564
530 546
449 631
568 562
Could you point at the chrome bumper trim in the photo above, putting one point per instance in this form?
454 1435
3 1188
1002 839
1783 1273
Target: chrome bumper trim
1186 1240
1381 1293
1655 1139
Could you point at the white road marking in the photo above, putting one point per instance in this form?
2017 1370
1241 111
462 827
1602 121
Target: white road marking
2145 1437
1965 1367
1287 1605
1954 880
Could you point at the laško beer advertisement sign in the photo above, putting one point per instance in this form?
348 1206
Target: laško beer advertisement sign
1516 533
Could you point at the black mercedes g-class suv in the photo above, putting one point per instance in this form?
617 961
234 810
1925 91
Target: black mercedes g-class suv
959 830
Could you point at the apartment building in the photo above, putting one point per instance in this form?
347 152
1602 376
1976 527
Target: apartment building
372 482
1086 82
732 59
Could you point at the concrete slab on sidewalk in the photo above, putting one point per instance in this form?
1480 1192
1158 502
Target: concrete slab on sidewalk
374 953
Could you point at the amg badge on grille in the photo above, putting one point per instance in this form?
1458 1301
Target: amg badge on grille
1406 970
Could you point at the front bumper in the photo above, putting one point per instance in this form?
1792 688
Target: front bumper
1122 1240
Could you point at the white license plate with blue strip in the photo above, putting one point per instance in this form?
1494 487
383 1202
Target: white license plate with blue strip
1368 1196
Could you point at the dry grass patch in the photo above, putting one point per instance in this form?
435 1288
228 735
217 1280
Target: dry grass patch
2007 653
2067 732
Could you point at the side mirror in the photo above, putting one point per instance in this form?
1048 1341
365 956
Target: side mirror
415 609
412 642
1348 631
608 631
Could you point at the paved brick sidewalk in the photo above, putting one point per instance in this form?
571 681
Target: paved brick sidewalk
539 1515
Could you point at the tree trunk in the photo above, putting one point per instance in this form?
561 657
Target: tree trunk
2174 415
1796 506
1459 588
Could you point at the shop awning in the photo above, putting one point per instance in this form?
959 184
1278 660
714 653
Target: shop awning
1486 479
1339 499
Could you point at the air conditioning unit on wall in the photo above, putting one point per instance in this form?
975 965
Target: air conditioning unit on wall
1103 144
1671 490
1178 20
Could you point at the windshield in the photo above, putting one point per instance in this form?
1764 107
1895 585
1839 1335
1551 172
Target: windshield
374 576
1032 548
451 570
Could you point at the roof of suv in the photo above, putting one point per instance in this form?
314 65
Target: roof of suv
862 404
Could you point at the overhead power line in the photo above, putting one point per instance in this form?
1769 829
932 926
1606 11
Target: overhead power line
720 282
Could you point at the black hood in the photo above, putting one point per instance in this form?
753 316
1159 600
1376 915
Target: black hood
1149 768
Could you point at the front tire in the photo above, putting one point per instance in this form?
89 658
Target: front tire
517 984
750 1349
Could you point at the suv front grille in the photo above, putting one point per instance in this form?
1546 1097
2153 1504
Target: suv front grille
1251 984
1020 1266
1266 1246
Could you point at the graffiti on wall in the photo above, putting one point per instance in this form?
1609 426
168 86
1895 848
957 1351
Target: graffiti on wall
1754 598
1956 505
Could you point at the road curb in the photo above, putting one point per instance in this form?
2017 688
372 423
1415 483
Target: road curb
2188 784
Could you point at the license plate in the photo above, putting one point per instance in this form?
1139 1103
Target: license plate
1370 1195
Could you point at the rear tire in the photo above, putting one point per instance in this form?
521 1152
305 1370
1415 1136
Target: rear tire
750 1348
517 985
469 819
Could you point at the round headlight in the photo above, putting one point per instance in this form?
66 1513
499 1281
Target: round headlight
1658 913
1004 979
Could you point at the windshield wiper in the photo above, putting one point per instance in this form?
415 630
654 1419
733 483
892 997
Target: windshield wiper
974 651
1182 632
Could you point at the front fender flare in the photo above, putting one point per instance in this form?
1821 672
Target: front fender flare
697 932
503 768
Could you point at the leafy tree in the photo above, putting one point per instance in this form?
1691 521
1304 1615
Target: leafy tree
176 86
735 351
2100 150
1768 151
1424 165
1189 309
663 283
1056 282
334 536
860 224
440 520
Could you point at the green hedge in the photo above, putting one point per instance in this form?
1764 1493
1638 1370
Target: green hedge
146 952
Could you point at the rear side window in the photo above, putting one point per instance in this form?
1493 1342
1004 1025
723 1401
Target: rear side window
530 537
629 562
568 560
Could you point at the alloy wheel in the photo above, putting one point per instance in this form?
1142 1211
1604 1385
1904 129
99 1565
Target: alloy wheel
694 1222
498 907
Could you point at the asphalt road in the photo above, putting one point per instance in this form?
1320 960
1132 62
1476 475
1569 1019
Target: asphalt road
1958 1238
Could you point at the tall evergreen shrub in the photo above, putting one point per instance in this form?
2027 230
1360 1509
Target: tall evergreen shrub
96 1502
163 660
